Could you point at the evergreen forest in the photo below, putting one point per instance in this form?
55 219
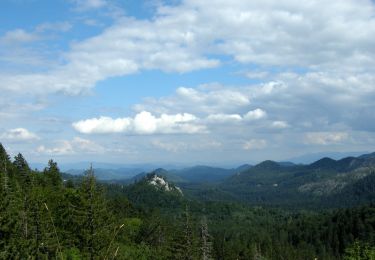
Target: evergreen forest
53 215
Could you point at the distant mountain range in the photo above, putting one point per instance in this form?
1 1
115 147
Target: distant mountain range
329 182
312 157
105 174
196 174
185 175
325 182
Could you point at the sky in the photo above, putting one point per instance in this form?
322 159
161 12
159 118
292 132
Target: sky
192 82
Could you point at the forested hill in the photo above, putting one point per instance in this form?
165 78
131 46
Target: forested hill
44 217
326 182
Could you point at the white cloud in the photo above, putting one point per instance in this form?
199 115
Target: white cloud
329 88
102 125
64 148
18 36
255 144
185 37
326 138
255 114
143 123
279 124
77 145
202 100
224 118
213 96
18 135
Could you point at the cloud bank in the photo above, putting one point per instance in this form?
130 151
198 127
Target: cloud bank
143 123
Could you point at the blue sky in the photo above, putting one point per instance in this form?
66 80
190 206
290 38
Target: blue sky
184 81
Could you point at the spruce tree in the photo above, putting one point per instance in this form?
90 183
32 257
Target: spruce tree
52 174
23 186
8 222
93 218
23 174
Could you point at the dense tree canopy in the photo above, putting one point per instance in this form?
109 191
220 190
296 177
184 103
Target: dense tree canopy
45 216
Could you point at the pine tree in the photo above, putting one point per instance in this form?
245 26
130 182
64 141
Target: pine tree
23 171
8 221
43 234
23 185
52 174
5 164
93 218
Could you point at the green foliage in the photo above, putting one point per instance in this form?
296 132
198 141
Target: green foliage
52 174
359 251
42 217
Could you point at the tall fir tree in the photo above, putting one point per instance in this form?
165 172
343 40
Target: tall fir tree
23 171
93 218
52 174
8 222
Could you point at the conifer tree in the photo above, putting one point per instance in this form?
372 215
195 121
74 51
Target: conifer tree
93 218
8 222
52 174
23 171
43 234
23 186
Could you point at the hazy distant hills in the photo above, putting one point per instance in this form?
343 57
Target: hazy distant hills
206 173
330 182
196 174
325 181
109 174
161 172
273 171
312 157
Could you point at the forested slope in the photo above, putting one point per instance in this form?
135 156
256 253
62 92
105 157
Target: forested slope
43 216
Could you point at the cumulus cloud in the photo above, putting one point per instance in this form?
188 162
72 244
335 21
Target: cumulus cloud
280 124
255 114
183 37
143 123
252 115
328 89
224 118
19 135
326 138
255 144
213 96
205 99
102 125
